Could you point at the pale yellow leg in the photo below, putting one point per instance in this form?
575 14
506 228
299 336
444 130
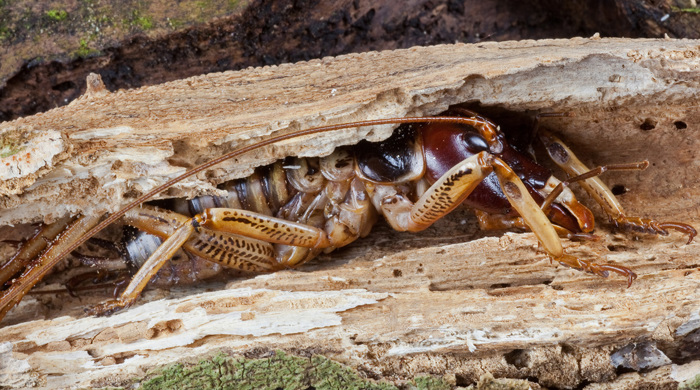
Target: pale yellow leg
567 160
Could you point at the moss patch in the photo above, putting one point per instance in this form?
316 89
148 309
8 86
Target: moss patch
428 383
283 371
691 384
277 371
57 15
693 10
84 50
11 143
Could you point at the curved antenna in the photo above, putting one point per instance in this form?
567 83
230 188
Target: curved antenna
245 149
23 284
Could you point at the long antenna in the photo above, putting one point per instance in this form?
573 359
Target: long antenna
23 283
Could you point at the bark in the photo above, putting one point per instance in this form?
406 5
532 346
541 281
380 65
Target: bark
447 302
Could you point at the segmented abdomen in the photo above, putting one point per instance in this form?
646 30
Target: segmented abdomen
320 192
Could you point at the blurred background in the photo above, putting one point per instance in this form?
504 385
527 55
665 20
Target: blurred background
47 48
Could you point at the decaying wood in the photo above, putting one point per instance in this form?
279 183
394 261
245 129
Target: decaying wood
447 302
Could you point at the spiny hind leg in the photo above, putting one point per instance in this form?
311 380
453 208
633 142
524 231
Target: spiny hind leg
245 240
567 160
226 248
235 238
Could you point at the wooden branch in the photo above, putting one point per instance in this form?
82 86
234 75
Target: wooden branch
447 302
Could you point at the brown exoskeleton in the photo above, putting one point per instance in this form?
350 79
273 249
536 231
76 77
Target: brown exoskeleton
287 213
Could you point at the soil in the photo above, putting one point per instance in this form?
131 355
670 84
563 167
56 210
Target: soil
49 51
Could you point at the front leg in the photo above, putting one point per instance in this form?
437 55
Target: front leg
537 221
448 192
456 184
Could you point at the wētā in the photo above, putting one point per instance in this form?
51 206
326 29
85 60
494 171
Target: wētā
287 213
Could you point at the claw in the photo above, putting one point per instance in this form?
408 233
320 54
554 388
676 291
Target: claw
602 270
680 227
645 225
618 269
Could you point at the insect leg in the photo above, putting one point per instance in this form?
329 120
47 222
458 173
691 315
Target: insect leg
299 242
39 267
31 248
503 222
538 222
154 263
597 171
488 221
565 158
235 238
448 192
263 227
229 250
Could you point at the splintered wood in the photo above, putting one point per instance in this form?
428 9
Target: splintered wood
451 301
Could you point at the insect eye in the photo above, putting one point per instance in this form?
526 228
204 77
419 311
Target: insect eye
474 142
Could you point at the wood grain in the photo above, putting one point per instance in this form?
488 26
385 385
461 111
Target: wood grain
452 301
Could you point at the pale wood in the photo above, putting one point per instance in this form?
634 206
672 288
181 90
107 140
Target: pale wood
445 302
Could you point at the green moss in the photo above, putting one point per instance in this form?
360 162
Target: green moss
5 33
175 23
428 383
138 20
144 22
56 15
84 50
694 10
691 384
277 371
9 148
203 4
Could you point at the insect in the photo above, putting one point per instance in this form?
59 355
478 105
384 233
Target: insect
287 213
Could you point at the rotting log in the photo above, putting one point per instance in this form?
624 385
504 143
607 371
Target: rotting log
446 302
